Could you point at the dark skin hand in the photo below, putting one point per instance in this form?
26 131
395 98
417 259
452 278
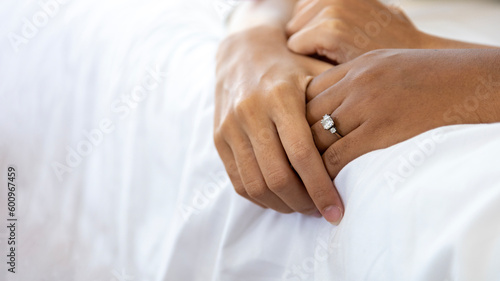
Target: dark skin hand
387 96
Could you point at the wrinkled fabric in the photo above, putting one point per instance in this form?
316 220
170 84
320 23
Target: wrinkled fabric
107 108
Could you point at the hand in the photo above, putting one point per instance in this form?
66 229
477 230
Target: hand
344 29
388 96
261 132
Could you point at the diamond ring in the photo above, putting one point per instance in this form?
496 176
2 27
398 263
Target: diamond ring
329 125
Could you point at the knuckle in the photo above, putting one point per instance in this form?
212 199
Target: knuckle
331 45
245 152
232 170
300 152
372 69
319 193
243 107
307 211
256 189
240 190
278 181
332 157
226 125
328 25
285 210
281 96
331 11
296 43
334 30
267 135
219 133
280 89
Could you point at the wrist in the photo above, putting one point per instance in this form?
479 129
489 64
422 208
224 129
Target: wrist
256 45
428 41
264 12
262 30
261 36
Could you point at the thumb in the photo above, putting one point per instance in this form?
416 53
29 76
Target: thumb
312 40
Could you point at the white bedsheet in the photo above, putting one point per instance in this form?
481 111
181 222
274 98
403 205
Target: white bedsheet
130 85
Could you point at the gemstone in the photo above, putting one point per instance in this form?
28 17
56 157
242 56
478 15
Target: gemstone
327 122
333 130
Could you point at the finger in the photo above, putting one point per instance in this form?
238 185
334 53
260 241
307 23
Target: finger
252 179
321 37
343 125
296 137
227 158
314 66
278 175
324 138
327 79
358 142
304 15
325 103
301 4
332 100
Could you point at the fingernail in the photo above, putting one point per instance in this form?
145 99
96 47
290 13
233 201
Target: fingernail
333 214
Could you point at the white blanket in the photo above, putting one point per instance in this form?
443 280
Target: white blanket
106 114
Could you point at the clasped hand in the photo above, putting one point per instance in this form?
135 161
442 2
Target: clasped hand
269 101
